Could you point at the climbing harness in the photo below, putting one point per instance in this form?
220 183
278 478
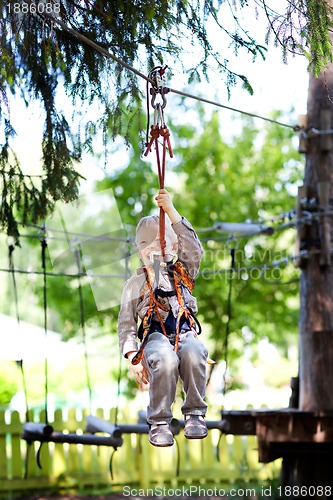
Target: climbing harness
180 278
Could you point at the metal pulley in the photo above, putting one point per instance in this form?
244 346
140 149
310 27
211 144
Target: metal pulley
158 86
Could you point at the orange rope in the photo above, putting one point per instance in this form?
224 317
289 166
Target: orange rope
156 131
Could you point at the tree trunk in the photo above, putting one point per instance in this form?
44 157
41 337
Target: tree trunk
316 287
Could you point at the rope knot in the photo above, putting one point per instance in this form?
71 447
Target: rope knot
165 133
154 133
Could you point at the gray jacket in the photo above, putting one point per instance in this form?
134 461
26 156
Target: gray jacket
134 307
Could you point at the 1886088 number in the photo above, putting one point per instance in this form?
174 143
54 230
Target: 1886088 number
305 491
34 7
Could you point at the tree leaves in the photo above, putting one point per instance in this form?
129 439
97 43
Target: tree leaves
246 176
39 56
304 28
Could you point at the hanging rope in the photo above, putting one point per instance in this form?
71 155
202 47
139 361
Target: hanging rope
227 328
77 254
226 338
19 362
157 130
42 237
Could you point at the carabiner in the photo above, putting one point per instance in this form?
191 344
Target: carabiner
159 115
153 99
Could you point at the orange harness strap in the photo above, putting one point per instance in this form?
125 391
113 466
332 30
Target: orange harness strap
153 307
154 304
181 278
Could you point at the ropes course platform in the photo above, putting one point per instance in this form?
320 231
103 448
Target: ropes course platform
282 432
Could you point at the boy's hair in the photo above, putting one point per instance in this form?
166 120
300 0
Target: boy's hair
148 227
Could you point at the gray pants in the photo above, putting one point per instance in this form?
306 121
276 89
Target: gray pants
165 365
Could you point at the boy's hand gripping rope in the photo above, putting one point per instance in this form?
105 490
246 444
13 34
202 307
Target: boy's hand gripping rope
159 129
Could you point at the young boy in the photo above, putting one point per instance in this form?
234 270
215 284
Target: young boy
160 295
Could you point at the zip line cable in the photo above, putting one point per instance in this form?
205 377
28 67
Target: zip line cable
267 265
122 63
63 274
276 263
294 222
308 218
247 113
100 237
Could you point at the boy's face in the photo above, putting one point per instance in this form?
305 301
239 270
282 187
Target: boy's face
149 246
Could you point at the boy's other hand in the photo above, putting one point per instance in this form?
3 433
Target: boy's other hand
139 371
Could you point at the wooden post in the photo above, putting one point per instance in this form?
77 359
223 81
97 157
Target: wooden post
325 223
325 126
301 230
303 142
316 285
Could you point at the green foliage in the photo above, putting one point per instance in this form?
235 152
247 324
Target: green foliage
246 179
26 200
88 239
317 31
303 29
39 56
248 176
214 177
